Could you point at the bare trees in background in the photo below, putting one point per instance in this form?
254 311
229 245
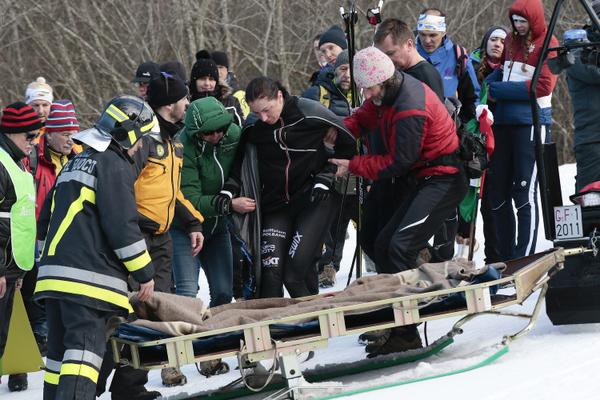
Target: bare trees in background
88 49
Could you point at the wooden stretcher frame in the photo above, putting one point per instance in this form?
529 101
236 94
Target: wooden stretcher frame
530 274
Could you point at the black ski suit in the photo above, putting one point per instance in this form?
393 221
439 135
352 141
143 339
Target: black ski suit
292 159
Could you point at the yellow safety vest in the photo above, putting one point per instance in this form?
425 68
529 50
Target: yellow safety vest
22 213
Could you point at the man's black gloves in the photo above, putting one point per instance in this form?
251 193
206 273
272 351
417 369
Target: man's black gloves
319 192
222 202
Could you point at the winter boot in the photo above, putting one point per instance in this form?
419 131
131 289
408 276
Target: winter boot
377 336
172 377
331 273
423 257
401 338
463 244
17 382
327 277
213 367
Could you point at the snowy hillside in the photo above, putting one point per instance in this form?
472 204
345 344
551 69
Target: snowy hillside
549 363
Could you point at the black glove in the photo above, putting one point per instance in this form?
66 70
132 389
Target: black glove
319 192
222 202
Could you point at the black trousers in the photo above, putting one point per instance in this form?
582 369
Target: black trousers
160 248
289 241
6 306
35 311
128 380
76 346
394 242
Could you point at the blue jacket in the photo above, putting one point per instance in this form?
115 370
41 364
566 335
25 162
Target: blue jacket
465 88
513 106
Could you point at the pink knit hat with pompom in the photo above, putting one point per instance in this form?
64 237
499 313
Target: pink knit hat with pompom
372 67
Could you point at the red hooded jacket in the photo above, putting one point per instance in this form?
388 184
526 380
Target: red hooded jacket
44 171
514 47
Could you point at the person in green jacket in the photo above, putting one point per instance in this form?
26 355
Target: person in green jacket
210 139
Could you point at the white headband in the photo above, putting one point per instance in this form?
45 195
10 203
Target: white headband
498 33
518 18
433 23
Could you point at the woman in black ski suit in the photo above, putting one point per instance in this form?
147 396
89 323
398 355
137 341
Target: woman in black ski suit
288 134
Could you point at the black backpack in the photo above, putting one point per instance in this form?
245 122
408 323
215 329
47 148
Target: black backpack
471 154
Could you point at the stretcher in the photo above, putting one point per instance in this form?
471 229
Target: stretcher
284 339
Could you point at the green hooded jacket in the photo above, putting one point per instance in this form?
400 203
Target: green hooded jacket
205 166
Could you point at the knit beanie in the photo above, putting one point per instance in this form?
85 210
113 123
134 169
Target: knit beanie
166 89
334 35
19 118
62 117
38 90
145 72
372 67
204 66
220 58
174 68
341 59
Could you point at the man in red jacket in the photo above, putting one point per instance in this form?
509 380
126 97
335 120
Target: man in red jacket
408 131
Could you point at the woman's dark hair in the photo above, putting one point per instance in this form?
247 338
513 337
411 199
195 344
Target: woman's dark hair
392 87
264 86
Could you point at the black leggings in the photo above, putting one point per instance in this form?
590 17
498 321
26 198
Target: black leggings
290 239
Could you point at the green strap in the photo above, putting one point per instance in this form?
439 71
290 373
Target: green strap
502 351
483 93
22 213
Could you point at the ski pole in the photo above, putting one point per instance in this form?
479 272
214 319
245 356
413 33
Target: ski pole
349 21
339 220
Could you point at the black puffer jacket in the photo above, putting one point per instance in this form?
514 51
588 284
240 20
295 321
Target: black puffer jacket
291 154
333 98
8 267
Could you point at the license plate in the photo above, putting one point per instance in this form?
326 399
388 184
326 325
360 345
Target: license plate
567 222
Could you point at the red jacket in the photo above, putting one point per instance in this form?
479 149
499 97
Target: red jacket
44 171
403 136
514 47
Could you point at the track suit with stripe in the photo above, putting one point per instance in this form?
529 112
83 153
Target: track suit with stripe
512 175
405 136
92 244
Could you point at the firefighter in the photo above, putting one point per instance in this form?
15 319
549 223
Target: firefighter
92 244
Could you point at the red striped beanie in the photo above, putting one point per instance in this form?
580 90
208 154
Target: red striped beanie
62 117
19 118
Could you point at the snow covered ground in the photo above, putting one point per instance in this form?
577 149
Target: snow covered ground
551 362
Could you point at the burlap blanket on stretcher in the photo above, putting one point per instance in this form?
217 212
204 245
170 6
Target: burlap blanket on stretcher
177 315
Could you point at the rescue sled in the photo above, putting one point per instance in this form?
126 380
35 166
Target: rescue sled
284 339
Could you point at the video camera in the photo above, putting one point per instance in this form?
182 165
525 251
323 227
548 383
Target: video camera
576 40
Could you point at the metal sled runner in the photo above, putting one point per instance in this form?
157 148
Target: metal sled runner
284 339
